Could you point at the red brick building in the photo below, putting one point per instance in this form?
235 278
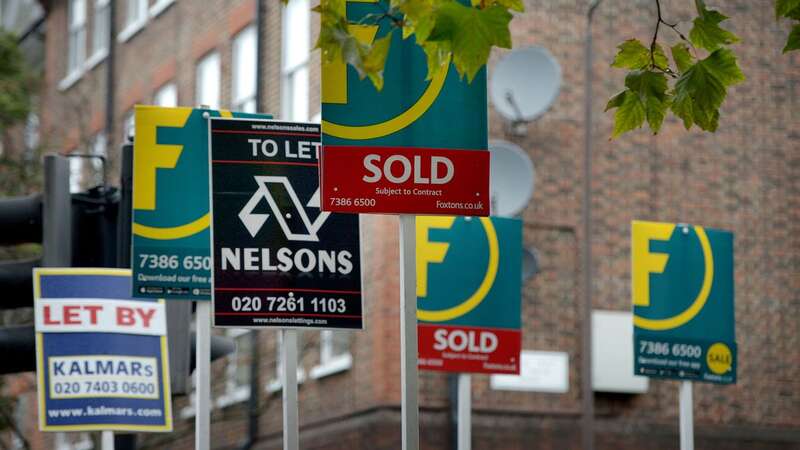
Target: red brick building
745 178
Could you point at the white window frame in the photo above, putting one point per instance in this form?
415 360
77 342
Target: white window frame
84 443
144 16
211 59
77 174
330 363
99 148
159 6
275 384
135 19
129 125
102 13
31 132
167 91
76 50
189 411
244 101
234 393
291 72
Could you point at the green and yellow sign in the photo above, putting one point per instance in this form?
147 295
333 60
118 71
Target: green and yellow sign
417 146
682 291
170 243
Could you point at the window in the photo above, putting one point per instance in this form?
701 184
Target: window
135 18
102 16
189 410
167 95
237 371
208 81
129 126
76 50
99 148
294 68
276 384
71 441
76 174
334 353
244 71
31 133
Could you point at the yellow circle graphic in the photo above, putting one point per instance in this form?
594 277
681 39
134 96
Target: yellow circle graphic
397 123
477 297
698 303
169 233
719 358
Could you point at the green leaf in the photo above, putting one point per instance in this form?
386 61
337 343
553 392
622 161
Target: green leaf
634 55
706 32
472 32
794 40
651 89
630 113
683 59
375 60
514 5
785 8
700 91
645 98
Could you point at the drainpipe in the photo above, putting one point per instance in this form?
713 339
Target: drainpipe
255 345
110 81
587 392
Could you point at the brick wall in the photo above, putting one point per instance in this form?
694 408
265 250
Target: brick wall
745 178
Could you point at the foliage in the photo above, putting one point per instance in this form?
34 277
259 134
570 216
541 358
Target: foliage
698 87
790 9
16 83
447 30
690 81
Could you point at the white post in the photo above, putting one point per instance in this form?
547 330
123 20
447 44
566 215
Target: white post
107 440
464 411
686 415
408 331
202 419
289 384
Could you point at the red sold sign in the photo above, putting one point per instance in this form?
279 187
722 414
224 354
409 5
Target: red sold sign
403 180
469 349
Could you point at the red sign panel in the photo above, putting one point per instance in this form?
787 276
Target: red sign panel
403 180
450 348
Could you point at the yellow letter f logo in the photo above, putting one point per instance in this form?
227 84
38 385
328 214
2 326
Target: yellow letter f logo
643 262
429 252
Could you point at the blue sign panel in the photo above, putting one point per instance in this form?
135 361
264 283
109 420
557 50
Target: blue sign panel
101 356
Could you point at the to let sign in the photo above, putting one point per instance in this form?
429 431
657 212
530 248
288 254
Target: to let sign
682 289
468 291
279 261
417 146
102 360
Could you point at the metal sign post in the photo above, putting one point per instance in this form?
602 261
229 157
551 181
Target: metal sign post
408 330
464 411
108 440
289 385
686 415
202 418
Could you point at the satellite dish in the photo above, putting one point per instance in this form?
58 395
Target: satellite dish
512 178
525 84
530 263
